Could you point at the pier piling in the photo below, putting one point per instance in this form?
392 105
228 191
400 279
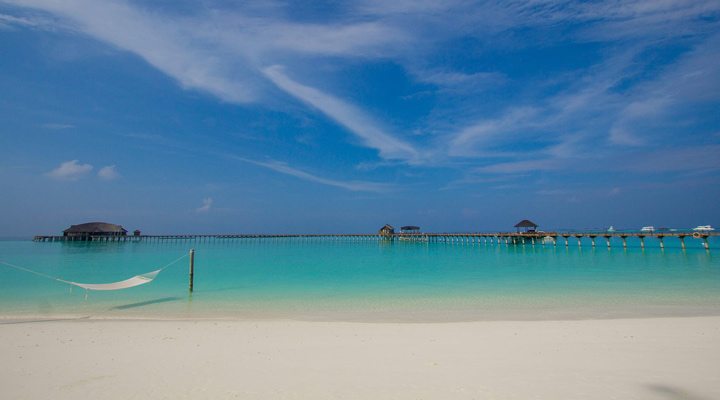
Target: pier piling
192 269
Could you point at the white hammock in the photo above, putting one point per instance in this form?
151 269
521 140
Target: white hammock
136 280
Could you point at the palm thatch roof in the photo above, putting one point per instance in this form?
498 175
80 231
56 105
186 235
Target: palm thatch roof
96 228
526 223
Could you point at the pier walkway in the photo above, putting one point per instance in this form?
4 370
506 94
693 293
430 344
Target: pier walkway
508 238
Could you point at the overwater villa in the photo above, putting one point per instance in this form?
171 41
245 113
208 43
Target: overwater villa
387 230
94 229
527 225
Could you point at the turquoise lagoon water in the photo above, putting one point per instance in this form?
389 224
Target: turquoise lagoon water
363 280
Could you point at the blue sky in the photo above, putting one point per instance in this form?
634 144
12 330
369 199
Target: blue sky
212 116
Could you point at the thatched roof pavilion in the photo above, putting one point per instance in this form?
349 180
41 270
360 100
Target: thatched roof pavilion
528 225
95 229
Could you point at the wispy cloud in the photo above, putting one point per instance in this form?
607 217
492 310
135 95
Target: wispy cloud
659 161
503 129
245 53
346 115
170 45
656 104
355 186
206 205
215 52
590 114
644 18
685 158
454 79
70 171
108 173
350 39
220 54
9 20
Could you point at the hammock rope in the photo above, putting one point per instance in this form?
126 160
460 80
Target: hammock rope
136 280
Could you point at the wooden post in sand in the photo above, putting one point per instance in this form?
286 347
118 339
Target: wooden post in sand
192 268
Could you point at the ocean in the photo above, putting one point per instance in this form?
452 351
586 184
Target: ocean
352 279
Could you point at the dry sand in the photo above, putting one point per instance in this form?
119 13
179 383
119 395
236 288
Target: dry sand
660 358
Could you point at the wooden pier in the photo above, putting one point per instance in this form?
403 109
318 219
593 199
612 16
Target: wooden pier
507 238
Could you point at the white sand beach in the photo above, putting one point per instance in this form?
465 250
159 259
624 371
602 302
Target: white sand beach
655 358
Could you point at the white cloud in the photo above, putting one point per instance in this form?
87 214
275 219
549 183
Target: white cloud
220 52
505 128
355 186
206 205
645 18
108 173
212 51
346 115
70 171
621 135
9 20
658 104
226 53
672 159
352 40
587 103
170 45
472 81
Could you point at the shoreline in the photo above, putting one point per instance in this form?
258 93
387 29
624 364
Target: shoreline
650 358
370 317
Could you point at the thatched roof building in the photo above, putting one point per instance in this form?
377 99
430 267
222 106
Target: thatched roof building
528 225
387 230
95 229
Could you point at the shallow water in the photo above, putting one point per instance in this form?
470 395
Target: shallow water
364 280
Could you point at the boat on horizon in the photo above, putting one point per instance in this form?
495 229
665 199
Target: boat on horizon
703 228
647 229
